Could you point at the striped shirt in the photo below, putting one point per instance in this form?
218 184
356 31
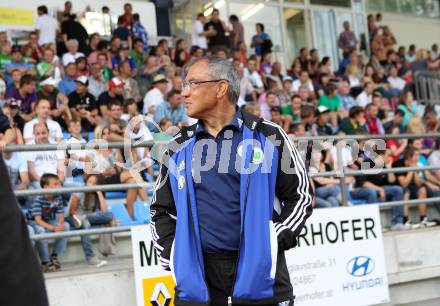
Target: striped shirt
47 209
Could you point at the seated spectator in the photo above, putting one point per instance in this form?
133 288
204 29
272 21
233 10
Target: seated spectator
138 53
75 158
352 75
16 75
397 84
131 87
17 63
85 210
82 103
107 162
101 49
355 122
408 108
347 101
27 96
47 216
67 84
115 91
281 120
114 122
434 159
373 123
130 110
322 125
41 162
366 96
97 82
106 70
42 110
327 190
155 96
172 108
5 54
82 66
331 101
72 54
285 95
303 81
252 75
269 101
396 121
308 118
123 55
11 117
396 146
47 68
293 109
123 33
247 91
59 103
17 169
414 185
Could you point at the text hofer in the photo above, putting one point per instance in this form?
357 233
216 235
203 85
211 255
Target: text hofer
336 232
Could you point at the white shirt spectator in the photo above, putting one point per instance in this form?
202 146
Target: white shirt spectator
47 27
16 164
45 161
55 133
197 39
397 83
153 98
254 78
143 134
96 87
246 88
346 154
73 163
297 84
363 99
70 58
353 81
434 158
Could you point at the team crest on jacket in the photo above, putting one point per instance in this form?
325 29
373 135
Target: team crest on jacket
257 156
181 182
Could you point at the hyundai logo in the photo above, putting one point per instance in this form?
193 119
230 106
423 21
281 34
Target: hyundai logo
360 266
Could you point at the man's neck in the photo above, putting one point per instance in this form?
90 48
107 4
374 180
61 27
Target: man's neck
215 121
22 92
77 136
41 119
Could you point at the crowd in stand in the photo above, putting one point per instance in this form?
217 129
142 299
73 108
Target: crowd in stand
64 85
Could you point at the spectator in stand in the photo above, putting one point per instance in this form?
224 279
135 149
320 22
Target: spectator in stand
293 109
131 87
114 121
389 41
17 169
106 162
434 54
27 96
101 48
347 41
397 84
103 63
434 160
5 55
16 64
82 67
217 30
123 33
303 81
155 96
285 95
123 55
322 125
47 67
396 121
73 30
87 210
411 55
42 110
139 32
16 75
128 16
422 62
47 215
268 100
67 84
11 123
72 55
352 75
332 102
281 120
327 190
82 103
396 147
199 34
173 109
47 26
347 100
138 54
115 91
247 91
366 96
75 158
266 65
236 35
32 50
42 162
355 122
415 186
252 75
373 123
97 82
261 41
409 109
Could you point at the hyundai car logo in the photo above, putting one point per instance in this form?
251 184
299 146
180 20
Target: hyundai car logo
360 266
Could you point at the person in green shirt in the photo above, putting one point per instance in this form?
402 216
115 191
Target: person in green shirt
5 55
294 108
333 103
137 54
46 68
102 60
408 108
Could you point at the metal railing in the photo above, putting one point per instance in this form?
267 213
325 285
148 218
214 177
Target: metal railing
427 86
341 173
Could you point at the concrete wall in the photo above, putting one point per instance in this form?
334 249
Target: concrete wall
418 30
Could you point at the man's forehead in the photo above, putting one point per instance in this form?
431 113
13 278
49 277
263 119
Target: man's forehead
197 71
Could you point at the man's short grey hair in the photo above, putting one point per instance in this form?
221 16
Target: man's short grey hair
72 42
222 69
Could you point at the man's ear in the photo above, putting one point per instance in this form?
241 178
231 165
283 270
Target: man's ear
222 89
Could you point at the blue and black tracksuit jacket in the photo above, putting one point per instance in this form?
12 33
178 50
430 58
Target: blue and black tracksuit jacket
275 201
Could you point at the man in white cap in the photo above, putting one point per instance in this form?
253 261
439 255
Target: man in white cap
156 95
81 102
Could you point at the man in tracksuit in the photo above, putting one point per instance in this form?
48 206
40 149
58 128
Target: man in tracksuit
232 196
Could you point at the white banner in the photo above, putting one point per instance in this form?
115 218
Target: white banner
340 259
154 285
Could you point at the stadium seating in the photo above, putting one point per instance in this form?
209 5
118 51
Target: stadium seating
120 213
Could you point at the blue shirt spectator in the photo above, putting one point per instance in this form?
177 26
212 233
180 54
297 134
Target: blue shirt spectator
139 31
47 209
116 60
67 85
171 109
20 66
259 47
